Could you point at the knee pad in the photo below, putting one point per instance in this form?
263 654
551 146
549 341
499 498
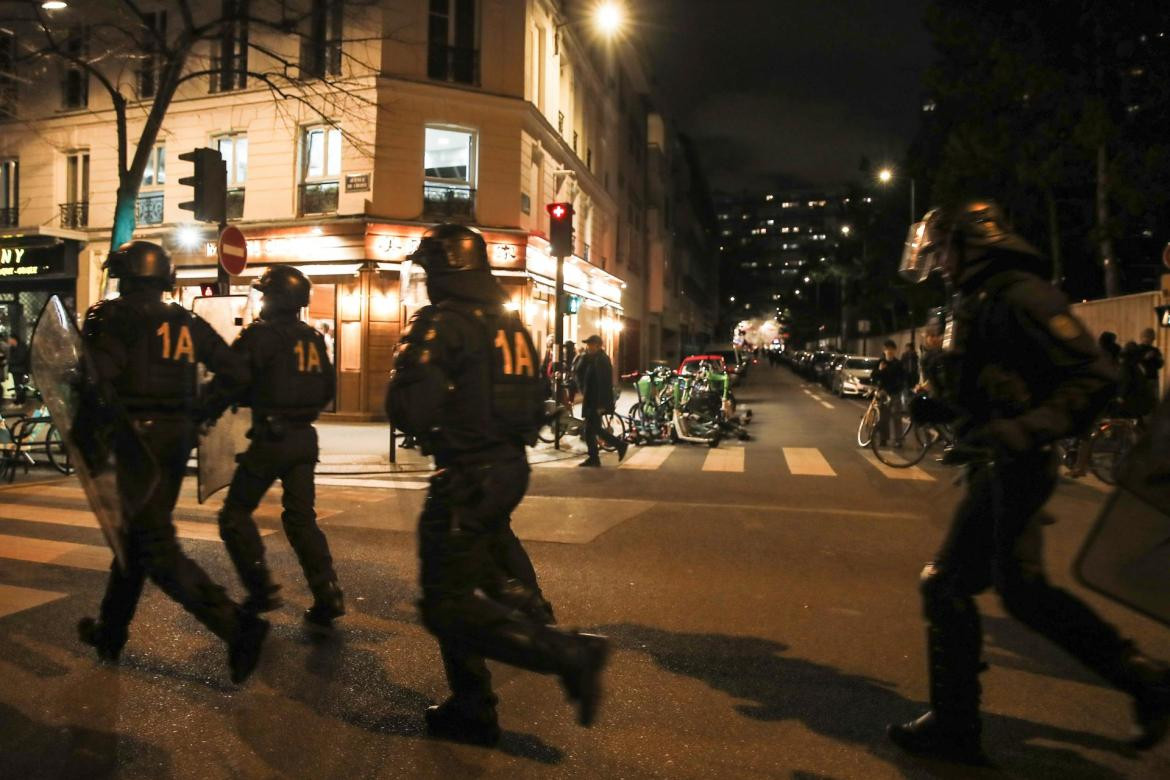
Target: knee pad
942 598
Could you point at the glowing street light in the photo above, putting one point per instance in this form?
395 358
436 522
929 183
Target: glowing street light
885 175
54 5
846 230
609 17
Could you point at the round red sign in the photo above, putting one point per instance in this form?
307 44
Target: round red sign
233 251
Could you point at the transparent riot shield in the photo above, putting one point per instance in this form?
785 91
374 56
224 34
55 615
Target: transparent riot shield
218 447
1127 554
96 435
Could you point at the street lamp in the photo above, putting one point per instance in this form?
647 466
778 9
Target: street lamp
609 17
886 175
846 230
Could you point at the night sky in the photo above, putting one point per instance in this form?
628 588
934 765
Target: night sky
789 92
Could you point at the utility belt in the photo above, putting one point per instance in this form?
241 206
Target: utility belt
273 426
491 453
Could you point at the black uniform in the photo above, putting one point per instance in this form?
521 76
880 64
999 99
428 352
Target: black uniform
466 384
145 352
1027 374
292 380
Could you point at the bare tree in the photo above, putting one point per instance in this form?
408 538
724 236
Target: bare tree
142 62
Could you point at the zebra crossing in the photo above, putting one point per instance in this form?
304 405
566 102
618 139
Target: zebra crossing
30 512
734 458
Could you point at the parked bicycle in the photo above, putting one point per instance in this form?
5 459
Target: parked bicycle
23 435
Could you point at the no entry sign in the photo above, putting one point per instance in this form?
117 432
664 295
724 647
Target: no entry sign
233 251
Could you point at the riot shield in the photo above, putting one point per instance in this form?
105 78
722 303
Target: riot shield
1127 554
218 446
95 435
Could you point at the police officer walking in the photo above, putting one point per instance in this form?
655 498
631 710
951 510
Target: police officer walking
292 380
466 383
145 352
1026 374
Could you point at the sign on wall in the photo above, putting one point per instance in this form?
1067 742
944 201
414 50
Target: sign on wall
357 182
38 262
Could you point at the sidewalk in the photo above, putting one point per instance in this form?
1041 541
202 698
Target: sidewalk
364 448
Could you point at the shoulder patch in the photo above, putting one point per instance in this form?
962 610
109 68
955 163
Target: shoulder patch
1064 327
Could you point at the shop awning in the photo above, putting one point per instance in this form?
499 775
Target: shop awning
321 272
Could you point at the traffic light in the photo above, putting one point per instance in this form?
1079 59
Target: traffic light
570 304
210 184
560 228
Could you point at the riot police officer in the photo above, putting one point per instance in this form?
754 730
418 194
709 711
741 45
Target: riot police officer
292 380
466 384
144 353
1023 373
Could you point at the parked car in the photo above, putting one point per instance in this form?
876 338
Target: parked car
854 375
819 358
827 370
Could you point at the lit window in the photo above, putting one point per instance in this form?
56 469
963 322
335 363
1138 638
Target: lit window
449 155
322 153
234 151
155 173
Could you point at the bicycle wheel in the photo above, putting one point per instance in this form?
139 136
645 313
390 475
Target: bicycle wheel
907 444
615 425
1108 446
868 423
56 452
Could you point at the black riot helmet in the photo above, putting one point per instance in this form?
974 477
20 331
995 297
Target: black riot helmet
957 239
285 289
450 248
145 262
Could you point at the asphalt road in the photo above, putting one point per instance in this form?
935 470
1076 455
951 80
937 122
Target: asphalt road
761 598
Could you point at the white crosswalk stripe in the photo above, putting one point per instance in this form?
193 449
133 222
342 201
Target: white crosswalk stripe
807 461
914 473
729 459
15 599
648 458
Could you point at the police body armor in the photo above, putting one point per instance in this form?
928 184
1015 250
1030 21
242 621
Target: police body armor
299 377
160 341
501 399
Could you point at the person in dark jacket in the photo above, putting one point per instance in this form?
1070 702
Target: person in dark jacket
18 365
595 377
1149 358
890 377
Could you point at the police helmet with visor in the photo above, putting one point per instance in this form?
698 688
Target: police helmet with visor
284 288
144 261
950 239
451 248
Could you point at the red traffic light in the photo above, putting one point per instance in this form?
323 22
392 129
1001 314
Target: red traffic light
560 211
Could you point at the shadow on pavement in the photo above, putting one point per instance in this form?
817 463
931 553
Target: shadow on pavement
342 680
842 706
1012 645
30 749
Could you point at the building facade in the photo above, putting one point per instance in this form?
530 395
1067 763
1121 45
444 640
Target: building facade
347 130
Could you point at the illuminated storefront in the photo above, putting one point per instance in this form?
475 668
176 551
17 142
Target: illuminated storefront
365 289
35 263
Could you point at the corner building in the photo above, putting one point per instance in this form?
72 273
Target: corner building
404 114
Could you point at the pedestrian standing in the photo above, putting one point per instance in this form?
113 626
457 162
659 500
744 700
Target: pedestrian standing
18 364
1028 374
595 375
570 362
145 354
465 383
548 367
292 381
890 378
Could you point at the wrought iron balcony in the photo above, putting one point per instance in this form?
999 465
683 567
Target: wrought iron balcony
75 215
318 197
442 200
235 203
452 63
149 209
9 216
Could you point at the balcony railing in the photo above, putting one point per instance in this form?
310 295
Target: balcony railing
149 209
318 197
442 200
9 216
452 63
235 203
75 215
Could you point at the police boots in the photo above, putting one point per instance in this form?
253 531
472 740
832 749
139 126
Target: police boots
951 729
97 635
328 604
459 720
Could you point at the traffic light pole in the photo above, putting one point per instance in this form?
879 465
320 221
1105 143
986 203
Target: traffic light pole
559 346
223 281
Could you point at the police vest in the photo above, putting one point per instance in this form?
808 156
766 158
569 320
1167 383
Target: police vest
161 342
293 375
